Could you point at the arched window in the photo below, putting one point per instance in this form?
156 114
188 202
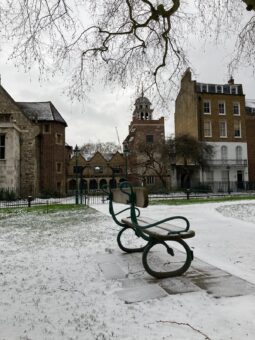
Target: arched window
239 154
83 185
224 152
92 184
113 183
102 183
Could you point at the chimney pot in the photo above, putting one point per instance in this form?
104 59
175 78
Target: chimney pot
231 81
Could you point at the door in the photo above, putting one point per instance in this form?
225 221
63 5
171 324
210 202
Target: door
240 183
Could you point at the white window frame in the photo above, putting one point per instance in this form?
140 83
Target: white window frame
239 128
209 106
209 128
225 134
224 152
204 88
236 104
239 154
224 107
219 87
233 89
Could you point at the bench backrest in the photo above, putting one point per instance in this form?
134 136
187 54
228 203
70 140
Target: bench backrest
141 198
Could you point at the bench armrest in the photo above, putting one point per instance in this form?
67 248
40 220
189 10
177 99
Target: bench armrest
167 220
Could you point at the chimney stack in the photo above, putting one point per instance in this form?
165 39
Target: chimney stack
231 81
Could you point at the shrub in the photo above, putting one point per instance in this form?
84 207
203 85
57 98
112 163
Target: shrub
8 195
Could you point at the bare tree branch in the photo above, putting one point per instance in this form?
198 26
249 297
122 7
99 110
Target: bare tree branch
123 41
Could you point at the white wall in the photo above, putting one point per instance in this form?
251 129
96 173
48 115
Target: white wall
231 156
10 167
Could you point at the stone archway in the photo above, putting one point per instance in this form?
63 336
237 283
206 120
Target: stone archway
113 183
83 185
93 184
102 183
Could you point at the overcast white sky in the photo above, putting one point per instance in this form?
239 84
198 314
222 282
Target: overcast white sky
97 119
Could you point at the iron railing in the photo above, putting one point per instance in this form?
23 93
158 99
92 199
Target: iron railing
228 162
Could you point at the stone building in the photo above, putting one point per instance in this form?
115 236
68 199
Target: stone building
91 173
32 147
144 145
216 114
250 135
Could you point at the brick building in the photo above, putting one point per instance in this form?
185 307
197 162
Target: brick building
144 144
32 147
91 173
216 114
250 135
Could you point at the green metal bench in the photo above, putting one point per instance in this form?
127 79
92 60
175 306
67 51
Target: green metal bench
165 233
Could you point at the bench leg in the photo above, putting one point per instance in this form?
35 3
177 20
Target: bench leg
177 261
129 233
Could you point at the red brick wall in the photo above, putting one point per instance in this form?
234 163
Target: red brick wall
250 135
52 153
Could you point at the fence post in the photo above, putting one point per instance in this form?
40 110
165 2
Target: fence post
29 200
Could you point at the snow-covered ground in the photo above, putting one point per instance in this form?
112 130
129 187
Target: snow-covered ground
51 286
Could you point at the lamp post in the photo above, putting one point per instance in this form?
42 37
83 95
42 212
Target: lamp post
126 153
76 151
81 182
97 172
228 169
84 188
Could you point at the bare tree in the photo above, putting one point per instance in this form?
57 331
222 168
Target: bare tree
188 153
124 41
151 159
104 148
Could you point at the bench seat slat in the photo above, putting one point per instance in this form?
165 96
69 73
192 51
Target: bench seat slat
165 231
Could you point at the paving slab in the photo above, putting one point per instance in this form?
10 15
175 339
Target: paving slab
131 283
138 285
225 286
207 272
142 293
205 269
179 285
112 271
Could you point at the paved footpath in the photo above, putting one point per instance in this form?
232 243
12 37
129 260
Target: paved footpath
137 285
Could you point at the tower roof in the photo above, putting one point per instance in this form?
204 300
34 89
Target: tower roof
142 100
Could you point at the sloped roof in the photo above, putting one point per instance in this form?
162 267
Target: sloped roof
106 156
42 111
223 88
250 103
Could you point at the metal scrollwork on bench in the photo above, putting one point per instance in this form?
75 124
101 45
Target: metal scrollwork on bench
158 236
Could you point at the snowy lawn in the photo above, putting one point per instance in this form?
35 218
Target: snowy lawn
51 286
